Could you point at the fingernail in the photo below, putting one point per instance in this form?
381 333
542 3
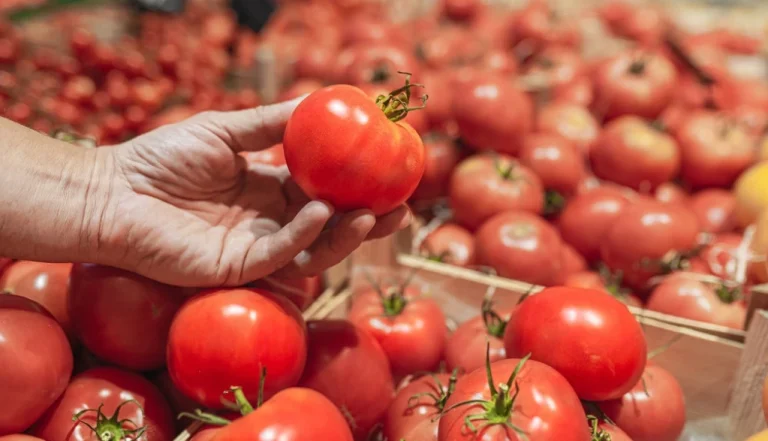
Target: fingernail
407 219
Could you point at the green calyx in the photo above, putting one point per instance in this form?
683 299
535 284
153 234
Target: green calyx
728 294
598 434
395 105
241 404
112 428
439 399
554 202
393 301
495 325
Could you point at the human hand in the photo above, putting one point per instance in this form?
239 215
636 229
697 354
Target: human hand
183 207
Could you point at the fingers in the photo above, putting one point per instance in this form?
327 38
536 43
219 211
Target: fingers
391 223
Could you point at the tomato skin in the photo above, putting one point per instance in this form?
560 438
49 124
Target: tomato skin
588 336
715 210
380 64
455 244
441 158
35 362
614 431
19 437
670 193
573 262
46 284
630 152
121 317
521 246
571 121
110 387
539 384
538 26
338 352
658 415
416 419
466 347
324 153
555 160
203 368
301 291
480 189
15 272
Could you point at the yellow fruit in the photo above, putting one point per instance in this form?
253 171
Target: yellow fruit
759 246
762 436
751 191
762 149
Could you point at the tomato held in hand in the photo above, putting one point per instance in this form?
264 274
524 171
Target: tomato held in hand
571 121
555 160
132 399
338 353
324 153
35 362
45 283
586 335
441 158
221 338
121 317
451 244
478 339
415 411
715 210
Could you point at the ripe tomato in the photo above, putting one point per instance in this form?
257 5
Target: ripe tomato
568 329
573 262
616 434
751 197
417 120
380 64
46 284
462 10
477 339
177 401
555 160
324 154
271 156
715 210
19 437
410 327
540 27
557 68
35 362
639 83
139 403
670 193
441 158
571 121
415 411
301 291
537 390
261 330
631 152
484 185
439 110
654 410
661 229
682 295
644 24
122 317
451 244
16 272
338 352
299 88
315 61
521 246
492 113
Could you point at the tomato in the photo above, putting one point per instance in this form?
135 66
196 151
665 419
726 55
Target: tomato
573 262
35 362
441 158
556 67
714 151
751 197
16 272
600 347
110 388
521 246
593 280
448 47
484 185
654 410
587 217
492 113
19 437
46 284
121 317
299 88
301 291
661 230
177 401
410 327
670 193
637 83
415 411
759 247
539 27
616 434
462 10
315 61
555 160
477 339
715 210
417 120
571 121
246 319
537 390
439 108
272 156
338 353
630 152
380 64
645 24
324 154
451 243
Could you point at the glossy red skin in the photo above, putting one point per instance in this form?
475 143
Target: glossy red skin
19 437
338 353
462 10
479 191
588 216
454 243
543 392
46 284
121 317
110 387
560 67
644 24
620 92
385 60
16 272
328 144
274 156
35 362
662 228
203 368
439 110
293 414
719 256
301 291
413 340
670 193
614 431
492 113
466 347
441 158
555 160
631 153
415 418
685 297
592 280
714 151
573 262
715 210
601 348
538 26
521 246
658 415
571 121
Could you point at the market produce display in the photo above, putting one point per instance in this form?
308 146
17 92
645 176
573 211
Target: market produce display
634 180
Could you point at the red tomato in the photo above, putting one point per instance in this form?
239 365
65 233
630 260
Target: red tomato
492 114
573 262
654 410
46 283
592 280
616 434
35 362
714 150
719 256
417 120
110 388
272 156
301 291
441 158
630 152
439 110
462 10
538 390
452 244
644 24
122 317
588 216
380 64
325 131
79 89
19 437
660 229
261 330
449 47
571 121
415 411
410 328
16 272
477 339
176 400
637 83
715 210
484 185
539 27
315 61
589 337
338 352
555 160
670 193
521 246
